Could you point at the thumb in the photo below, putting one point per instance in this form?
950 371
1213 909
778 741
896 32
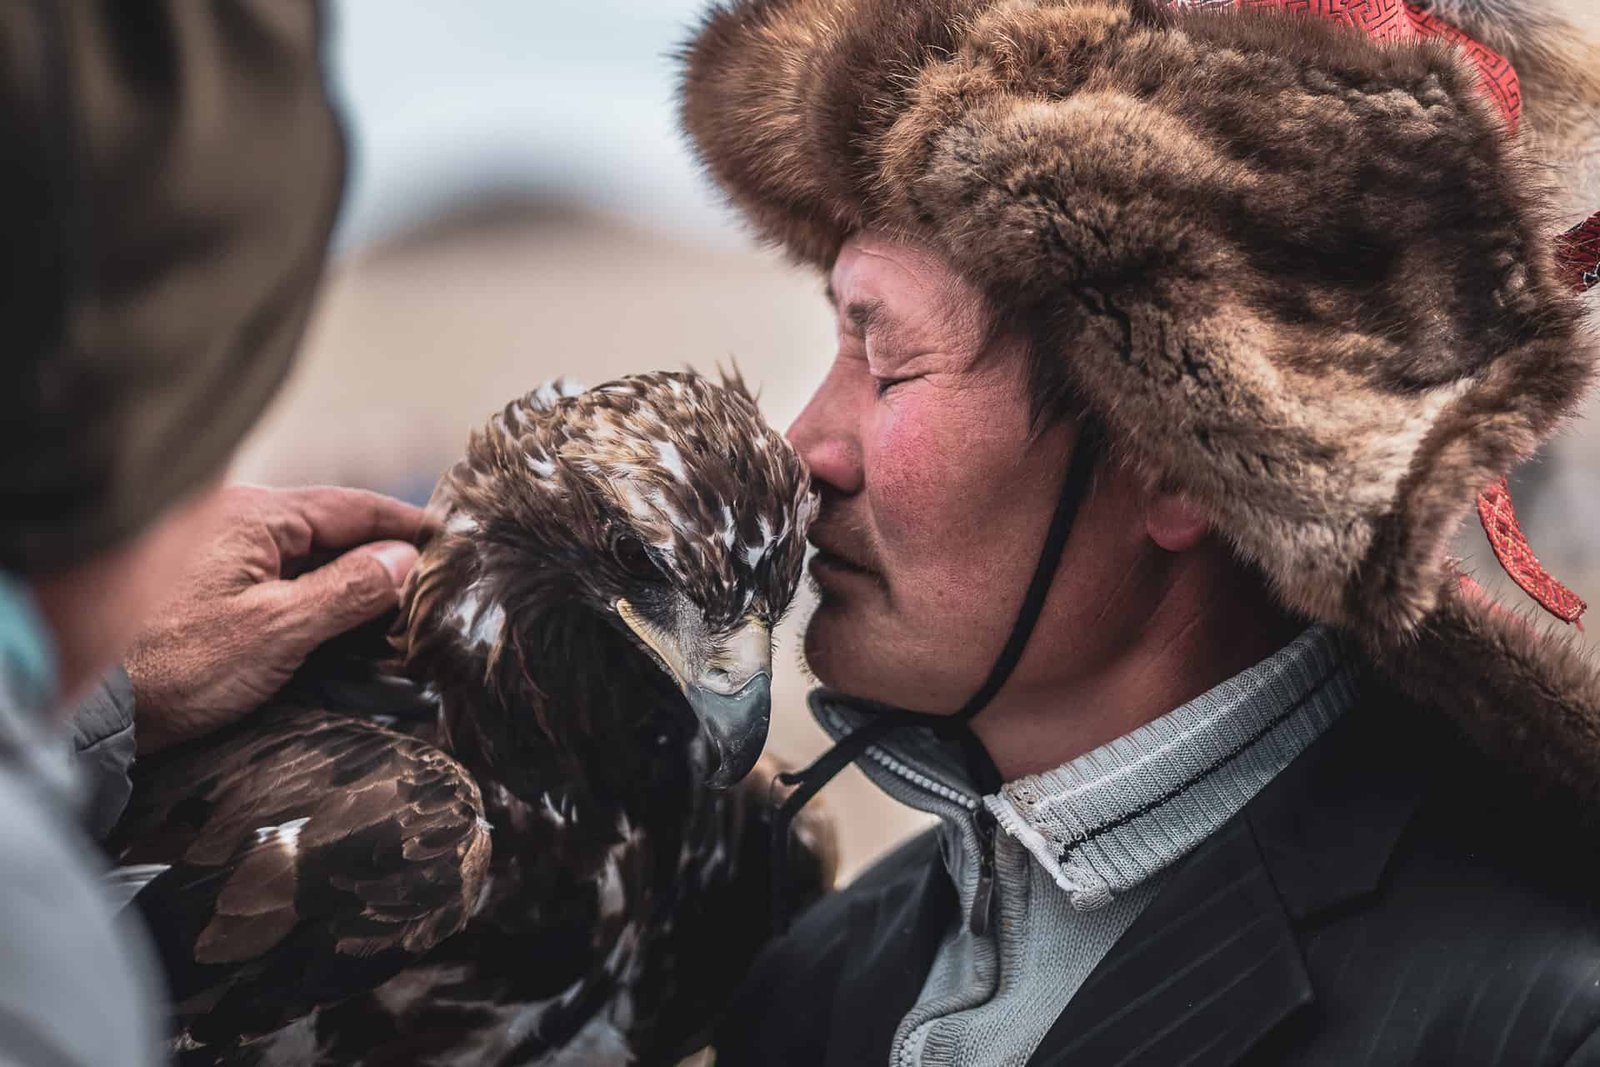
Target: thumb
354 588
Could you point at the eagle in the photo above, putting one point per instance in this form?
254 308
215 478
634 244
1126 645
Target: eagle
530 834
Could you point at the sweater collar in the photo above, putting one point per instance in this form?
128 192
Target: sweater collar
1112 818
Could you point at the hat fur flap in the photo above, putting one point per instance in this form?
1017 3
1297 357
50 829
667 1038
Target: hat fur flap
1302 277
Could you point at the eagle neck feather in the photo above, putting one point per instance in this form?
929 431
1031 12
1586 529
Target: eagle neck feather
568 712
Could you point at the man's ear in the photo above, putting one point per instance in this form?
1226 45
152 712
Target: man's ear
1173 522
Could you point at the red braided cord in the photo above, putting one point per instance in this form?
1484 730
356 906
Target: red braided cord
1511 548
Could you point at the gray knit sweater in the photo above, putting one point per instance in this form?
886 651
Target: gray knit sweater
1083 848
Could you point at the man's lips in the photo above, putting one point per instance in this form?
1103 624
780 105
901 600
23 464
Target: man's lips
829 558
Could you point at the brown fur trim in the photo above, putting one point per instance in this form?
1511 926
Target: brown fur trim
1519 690
1301 276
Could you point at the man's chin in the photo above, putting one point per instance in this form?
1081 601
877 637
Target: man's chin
826 636
840 653
845 652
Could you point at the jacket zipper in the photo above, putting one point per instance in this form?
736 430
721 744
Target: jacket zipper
922 781
978 921
983 899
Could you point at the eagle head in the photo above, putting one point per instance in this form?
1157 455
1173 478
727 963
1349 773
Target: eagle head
654 522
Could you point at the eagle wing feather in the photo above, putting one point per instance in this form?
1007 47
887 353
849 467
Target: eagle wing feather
310 856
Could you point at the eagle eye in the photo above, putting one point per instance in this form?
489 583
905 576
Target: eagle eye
634 559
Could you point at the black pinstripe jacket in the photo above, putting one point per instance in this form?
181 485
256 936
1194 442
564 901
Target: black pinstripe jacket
1391 898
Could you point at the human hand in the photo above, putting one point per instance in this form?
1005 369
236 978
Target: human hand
256 603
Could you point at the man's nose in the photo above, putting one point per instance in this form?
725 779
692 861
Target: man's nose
826 434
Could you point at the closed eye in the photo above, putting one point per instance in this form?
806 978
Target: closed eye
883 385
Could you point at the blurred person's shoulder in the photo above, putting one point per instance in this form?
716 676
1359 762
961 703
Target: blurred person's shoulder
77 982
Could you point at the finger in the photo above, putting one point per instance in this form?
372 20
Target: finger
342 518
358 586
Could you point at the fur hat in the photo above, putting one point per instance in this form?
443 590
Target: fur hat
1300 274
1302 277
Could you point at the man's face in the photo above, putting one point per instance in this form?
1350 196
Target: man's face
936 495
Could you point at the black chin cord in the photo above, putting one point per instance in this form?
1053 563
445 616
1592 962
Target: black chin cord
957 726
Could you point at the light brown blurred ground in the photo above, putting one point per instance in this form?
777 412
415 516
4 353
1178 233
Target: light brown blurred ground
419 340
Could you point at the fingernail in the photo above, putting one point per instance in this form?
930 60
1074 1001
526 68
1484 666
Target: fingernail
397 558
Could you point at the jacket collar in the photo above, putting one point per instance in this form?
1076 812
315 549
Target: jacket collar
1089 823
1204 973
1327 826
1113 818
1214 964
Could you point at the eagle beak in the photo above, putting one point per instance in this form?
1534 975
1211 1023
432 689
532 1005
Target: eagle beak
735 724
729 689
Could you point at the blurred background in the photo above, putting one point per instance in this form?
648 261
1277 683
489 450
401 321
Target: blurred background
521 206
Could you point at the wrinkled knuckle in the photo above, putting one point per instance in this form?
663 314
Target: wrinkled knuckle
281 610
258 530
369 585
289 531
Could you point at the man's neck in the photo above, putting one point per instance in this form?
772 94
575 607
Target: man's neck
1208 624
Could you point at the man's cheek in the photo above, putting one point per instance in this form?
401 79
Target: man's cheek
935 437
913 474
